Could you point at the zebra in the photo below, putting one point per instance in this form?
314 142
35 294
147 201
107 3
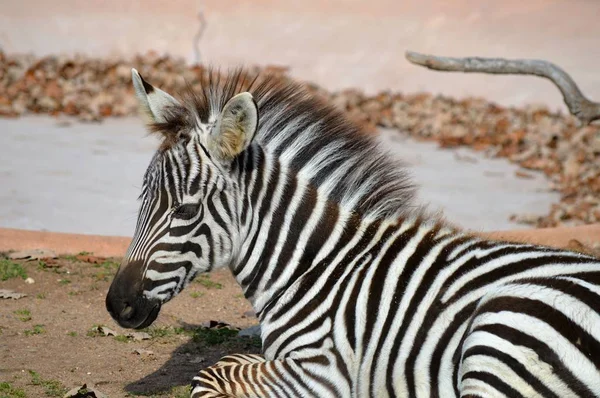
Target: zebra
360 291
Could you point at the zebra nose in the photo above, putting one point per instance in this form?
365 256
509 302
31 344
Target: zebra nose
126 312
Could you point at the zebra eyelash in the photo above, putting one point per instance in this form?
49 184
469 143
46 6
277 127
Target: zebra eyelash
185 211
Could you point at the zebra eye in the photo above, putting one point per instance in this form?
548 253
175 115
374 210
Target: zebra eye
186 211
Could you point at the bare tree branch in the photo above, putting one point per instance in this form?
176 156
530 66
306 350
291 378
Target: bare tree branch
198 36
582 108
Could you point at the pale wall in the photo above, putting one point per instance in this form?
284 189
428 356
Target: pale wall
340 43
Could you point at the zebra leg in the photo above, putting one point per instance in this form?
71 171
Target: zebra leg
239 376
240 359
530 342
251 376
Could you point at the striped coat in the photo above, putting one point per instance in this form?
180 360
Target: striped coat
360 292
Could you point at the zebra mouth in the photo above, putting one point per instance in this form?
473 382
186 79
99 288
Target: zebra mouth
152 315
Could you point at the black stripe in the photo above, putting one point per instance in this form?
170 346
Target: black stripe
300 218
543 351
275 227
262 212
516 366
425 284
570 288
495 382
511 269
589 347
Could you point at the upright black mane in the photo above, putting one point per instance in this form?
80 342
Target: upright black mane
310 136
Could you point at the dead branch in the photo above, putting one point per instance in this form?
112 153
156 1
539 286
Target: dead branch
198 36
582 108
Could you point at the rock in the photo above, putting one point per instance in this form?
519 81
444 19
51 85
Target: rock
29 281
143 352
197 360
107 331
252 331
84 392
34 254
10 294
139 336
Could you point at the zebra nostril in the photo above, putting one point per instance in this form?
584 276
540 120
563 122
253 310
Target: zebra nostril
127 312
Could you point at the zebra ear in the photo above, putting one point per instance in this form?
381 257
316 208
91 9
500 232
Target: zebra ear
235 127
152 101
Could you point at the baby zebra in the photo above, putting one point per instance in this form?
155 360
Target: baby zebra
359 292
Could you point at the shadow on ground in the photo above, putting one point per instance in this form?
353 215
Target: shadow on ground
204 349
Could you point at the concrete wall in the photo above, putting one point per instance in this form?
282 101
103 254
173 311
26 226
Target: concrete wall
336 43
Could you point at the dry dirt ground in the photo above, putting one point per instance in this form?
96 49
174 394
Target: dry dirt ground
50 341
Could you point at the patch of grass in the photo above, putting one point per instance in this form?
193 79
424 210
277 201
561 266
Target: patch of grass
214 336
205 281
24 315
180 391
122 338
52 388
102 276
254 342
37 329
84 392
41 295
84 253
64 282
8 391
196 294
72 334
95 331
174 392
10 269
167 331
69 257
108 265
239 296
74 293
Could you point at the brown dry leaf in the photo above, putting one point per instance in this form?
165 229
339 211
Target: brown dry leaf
522 174
53 90
90 259
50 263
532 137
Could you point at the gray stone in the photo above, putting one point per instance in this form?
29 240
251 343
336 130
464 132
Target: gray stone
252 331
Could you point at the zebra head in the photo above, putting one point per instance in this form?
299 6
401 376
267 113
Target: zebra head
187 222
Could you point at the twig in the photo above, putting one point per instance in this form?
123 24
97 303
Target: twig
198 36
582 108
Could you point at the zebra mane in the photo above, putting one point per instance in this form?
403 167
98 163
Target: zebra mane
312 137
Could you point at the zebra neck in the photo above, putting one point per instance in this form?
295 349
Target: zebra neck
285 224
290 229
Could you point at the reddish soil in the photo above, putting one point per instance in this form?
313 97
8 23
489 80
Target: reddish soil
67 298
113 246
